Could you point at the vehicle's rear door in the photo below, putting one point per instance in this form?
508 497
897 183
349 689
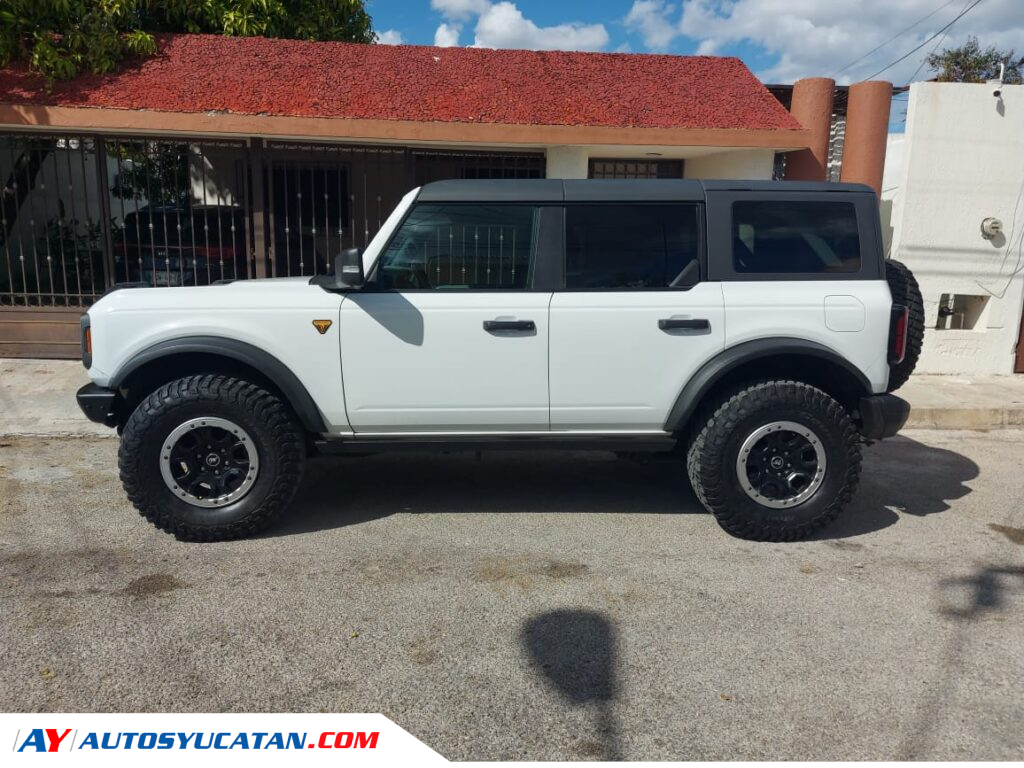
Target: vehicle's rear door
451 332
635 317
804 265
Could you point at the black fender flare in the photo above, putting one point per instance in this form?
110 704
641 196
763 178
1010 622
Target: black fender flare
729 359
279 374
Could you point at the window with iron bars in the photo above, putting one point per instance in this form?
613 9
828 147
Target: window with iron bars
629 168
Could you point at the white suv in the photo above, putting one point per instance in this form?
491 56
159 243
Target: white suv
748 326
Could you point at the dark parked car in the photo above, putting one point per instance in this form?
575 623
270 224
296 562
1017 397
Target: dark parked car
201 245
174 246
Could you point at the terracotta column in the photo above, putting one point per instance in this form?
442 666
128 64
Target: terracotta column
812 107
867 130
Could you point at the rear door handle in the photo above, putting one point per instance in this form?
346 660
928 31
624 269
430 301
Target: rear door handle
679 323
509 325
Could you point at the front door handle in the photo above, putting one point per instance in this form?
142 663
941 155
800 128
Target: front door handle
509 325
679 323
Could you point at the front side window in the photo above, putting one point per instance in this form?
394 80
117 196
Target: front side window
462 247
630 247
795 237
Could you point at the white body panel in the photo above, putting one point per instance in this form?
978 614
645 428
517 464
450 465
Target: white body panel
422 361
613 368
274 315
797 309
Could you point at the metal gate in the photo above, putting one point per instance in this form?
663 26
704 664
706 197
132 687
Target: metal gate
82 213
324 198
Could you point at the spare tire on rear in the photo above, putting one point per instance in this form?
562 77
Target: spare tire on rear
905 291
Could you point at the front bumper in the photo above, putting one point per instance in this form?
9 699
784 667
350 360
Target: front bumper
97 403
882 415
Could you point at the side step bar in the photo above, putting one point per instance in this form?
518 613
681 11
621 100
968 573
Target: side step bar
451 443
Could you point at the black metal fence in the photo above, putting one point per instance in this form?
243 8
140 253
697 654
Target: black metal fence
82 213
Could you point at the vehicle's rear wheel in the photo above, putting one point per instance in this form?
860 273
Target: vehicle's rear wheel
905 290
210 457
775 461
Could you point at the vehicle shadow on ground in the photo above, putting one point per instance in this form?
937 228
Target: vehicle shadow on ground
344 491
900 476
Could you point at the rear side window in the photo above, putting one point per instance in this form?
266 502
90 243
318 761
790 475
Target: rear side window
630 247
795 237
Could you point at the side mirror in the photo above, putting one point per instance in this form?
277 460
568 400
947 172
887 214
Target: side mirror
348 271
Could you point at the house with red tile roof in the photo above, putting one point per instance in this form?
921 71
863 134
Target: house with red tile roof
271 156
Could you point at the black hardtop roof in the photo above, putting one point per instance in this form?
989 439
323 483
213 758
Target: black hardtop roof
609 190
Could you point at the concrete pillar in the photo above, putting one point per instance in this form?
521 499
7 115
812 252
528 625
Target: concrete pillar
812 107
867 130
567 163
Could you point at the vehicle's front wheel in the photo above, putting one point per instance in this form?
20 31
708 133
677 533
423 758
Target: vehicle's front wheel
775 461
211 457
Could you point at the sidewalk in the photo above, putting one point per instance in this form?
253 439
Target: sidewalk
37 397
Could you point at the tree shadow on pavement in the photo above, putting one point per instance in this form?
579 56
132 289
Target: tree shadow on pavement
576 651
899 476
989 591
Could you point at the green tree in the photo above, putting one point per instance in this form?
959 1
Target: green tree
62 38
970 64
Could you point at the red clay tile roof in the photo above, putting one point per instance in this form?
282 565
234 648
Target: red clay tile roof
203 73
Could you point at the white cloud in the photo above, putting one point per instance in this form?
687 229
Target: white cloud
447 35
651 18
502 25
390 37
460 9
806 38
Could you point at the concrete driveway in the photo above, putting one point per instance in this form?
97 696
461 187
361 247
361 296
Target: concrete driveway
539 606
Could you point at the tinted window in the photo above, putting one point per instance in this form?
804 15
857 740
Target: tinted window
630 246
461 247
795 237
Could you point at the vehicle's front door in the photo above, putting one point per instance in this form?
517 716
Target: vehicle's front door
634 320
449 333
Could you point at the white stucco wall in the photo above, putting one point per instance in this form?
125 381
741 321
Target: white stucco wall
567 162
963 160
892 177
732 164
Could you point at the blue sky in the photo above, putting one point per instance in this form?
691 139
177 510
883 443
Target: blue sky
780 40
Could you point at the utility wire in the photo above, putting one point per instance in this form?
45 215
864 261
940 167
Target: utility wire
903 120
925 58
894 37
914 50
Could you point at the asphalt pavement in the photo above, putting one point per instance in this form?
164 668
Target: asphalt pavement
539 606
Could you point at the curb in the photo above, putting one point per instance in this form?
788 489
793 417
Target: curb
965 418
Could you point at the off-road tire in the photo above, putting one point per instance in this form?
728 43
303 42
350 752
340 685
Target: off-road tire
905 290
726 423
278 437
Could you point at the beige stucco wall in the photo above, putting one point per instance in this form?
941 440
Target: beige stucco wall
963 161
732 164
572 162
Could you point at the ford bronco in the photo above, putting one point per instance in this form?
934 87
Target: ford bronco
754 329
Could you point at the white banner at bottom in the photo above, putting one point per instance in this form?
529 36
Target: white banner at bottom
208 739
